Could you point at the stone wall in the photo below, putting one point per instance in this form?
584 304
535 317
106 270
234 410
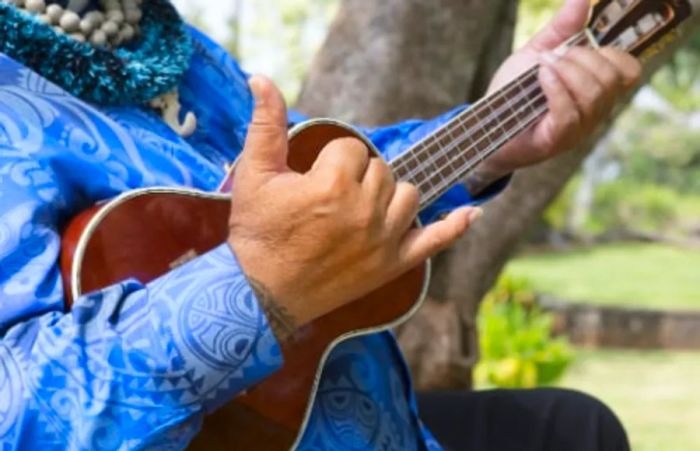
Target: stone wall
597 326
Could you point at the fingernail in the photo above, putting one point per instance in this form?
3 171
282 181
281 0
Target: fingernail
548 58
475 214
255 83
553 56
561 51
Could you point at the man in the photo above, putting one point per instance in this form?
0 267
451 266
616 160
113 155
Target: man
139 366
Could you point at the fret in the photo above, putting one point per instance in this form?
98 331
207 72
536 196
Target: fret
484 141
465 158
523 102
412 164
403 173
399 166
437 174
541 99
502 114
479 132
418 177
456 148
523 111
408 162
445 139
406 166
468 127
442 160
512 122
429 161
499 115
477 135
453 151
399 172
447 144
467 138
426 190
522 108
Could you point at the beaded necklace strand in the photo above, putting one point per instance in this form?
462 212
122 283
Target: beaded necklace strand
125 52
115 23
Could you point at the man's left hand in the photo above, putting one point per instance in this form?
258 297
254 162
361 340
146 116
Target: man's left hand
581 86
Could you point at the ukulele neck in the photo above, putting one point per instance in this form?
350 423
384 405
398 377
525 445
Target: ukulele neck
449 154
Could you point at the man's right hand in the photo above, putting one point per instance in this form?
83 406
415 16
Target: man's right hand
310 243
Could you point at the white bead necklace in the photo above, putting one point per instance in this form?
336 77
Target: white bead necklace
116 24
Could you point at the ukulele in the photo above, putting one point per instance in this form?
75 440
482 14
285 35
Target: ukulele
145 233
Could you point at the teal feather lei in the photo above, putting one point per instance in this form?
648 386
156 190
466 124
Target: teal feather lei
133 74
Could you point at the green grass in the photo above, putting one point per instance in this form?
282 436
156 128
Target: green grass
640 275
690 205
655 394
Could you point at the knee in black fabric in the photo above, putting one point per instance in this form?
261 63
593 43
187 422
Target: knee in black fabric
547 419
576 412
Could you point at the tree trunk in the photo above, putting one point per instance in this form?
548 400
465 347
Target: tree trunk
395 59
389 60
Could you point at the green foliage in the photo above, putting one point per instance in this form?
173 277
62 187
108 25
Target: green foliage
645 275
517 347
659 148
557 214
626 205
532 16
658 156
678 81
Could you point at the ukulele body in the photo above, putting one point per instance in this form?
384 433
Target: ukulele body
146 233
143 234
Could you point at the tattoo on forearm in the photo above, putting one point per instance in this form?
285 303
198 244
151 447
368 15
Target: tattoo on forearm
281 322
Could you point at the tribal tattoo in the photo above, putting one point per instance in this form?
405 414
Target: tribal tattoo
282 323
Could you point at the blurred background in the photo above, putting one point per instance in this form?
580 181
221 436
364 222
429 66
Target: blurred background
585 273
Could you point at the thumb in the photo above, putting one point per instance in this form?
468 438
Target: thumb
570 19
267 142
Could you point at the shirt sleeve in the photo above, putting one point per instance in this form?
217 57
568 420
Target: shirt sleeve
394 139
131 366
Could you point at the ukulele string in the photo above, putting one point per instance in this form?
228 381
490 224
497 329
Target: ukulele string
433 191
423 152
427 154
523 123
487 138
424 146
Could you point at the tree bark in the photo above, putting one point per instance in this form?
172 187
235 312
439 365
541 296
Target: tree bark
389 60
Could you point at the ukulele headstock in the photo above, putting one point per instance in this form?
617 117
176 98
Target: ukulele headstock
640 27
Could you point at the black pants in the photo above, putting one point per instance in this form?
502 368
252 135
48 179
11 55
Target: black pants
521 420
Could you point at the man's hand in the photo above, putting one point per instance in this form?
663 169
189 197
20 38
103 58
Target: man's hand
582 87
310 243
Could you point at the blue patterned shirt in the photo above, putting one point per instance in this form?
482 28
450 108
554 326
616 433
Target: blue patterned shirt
134 365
